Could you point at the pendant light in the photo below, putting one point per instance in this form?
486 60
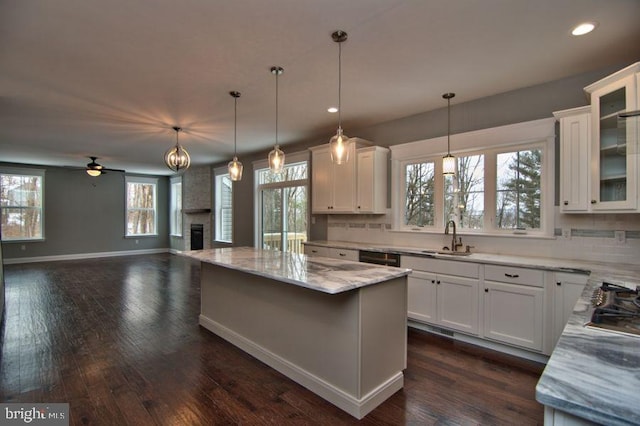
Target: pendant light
235 167
276 156
339 143
448 161
177 158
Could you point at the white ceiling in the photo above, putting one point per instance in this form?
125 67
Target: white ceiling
110 78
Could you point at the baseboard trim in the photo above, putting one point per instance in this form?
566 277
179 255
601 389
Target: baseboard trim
80 256
521 353
357 407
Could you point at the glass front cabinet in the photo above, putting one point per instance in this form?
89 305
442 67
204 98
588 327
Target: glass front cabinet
614 141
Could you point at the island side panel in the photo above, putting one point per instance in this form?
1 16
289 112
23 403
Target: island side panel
384 335
314 332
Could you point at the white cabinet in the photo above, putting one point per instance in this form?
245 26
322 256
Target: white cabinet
435 296
357 186
575 131
333 186
371 165
614 141
568 288
514 306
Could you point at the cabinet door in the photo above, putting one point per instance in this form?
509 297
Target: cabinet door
371 180
513 314
321 181
458 303
614 150
574 162
421 296
568 289
344 185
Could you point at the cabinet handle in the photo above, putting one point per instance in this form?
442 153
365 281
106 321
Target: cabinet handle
438 282
342 254
359 207
314 251
559 283
566 203
593 201
512 275
433 281
486 290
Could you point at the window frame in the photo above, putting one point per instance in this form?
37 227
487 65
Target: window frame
261 165
220 173
147 181
28 172
175 212
537 134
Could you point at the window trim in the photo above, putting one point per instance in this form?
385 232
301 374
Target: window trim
259 165
143 180
218 173
29 172
172 226
519 136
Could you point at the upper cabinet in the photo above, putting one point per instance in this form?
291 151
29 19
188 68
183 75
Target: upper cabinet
357 186
603 143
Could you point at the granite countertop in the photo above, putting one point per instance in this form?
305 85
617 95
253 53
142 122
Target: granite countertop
591 373
317 273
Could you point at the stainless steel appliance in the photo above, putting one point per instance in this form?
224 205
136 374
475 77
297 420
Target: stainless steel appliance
616 308
379 258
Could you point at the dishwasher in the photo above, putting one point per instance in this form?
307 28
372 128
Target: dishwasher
379 258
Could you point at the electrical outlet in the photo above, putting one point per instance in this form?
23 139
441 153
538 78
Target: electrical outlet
620 237
566 233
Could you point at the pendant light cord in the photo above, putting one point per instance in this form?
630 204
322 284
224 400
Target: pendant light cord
339 84
235 124
277 74
448 126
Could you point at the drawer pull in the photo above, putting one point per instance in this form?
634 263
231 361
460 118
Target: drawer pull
512 275
342 254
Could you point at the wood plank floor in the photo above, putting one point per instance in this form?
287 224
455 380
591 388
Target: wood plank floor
118 339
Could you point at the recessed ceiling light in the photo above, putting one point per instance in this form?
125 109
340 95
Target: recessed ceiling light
332 110
584 28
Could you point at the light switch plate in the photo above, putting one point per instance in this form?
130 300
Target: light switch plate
566 233
620 237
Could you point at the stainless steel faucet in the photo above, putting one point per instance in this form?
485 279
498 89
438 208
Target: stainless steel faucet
454 244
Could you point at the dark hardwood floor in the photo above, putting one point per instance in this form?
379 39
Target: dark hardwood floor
118 339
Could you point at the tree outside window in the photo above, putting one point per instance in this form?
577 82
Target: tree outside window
420 201
464 193
141 207
519 189
21 197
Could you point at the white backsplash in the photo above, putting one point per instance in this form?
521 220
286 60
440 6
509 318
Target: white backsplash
592 237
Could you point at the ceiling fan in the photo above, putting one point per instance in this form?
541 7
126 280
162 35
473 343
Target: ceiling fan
95 169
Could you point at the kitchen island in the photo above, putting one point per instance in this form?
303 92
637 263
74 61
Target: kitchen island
336 327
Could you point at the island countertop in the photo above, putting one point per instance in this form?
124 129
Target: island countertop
317 273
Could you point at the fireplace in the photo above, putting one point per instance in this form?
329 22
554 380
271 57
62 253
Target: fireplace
197 236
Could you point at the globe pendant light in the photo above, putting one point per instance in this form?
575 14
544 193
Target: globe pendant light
448 161
235 167
177 158
276 156
339 143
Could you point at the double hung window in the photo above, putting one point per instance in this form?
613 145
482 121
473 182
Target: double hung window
141 202
175 208
21 204
224 206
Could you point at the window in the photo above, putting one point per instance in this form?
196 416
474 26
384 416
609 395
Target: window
141 206
282 205
175 218
420 199
224 206
518 191
21 204
503 182
464 193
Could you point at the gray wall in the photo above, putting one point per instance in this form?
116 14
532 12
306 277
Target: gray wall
86 215
526 104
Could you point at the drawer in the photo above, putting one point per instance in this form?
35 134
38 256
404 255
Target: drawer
316 251
514 275
439 266
346 254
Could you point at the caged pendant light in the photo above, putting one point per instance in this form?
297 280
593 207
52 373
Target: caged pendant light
177 158
339 143
235 166
276 156
448 161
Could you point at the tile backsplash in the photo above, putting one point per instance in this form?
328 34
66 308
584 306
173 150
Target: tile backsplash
589 237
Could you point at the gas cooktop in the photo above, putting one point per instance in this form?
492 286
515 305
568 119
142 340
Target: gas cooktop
615 308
